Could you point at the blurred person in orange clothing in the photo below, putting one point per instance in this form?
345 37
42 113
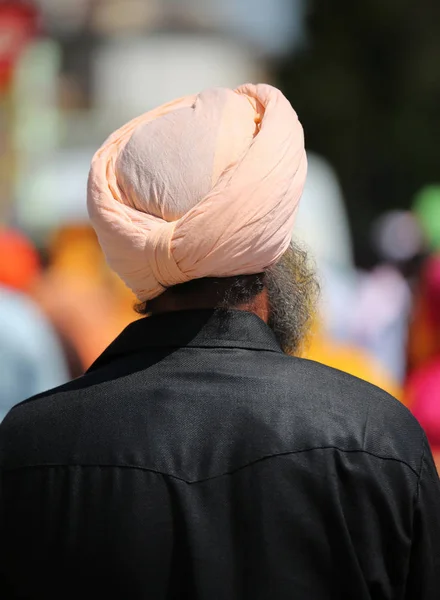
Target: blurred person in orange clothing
20 264
87 303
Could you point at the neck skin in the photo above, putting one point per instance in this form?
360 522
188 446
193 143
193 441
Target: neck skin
169 301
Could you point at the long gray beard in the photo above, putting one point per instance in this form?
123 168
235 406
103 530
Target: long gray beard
293 291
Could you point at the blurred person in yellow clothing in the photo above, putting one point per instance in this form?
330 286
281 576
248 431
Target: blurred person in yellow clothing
351 359
87 303
345 355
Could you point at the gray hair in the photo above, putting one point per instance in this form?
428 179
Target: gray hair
292 289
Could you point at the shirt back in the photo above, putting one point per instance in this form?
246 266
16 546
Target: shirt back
196 460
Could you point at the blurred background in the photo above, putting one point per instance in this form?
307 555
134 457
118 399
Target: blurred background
365 81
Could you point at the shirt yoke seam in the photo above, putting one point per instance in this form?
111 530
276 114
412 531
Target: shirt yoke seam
212 477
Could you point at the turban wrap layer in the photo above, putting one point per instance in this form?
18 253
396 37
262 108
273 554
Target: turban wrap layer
204 186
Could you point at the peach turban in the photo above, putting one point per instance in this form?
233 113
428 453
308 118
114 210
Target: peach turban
204 186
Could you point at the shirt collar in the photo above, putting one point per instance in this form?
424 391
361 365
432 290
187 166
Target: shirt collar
192 329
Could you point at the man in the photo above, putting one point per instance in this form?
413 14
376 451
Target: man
196 458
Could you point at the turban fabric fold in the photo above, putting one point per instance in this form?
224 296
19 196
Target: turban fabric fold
205 186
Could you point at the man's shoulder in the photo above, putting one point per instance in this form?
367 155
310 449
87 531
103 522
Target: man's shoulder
48 403
351 413
45 422
319 380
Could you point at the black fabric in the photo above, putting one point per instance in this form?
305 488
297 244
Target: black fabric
196 460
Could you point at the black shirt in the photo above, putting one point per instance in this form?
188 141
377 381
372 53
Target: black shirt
196 460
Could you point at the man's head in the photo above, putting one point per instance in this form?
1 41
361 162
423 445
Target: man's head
284 296
194 205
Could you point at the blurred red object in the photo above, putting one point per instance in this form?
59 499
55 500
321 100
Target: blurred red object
423 394
424 334
19 261
18 25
